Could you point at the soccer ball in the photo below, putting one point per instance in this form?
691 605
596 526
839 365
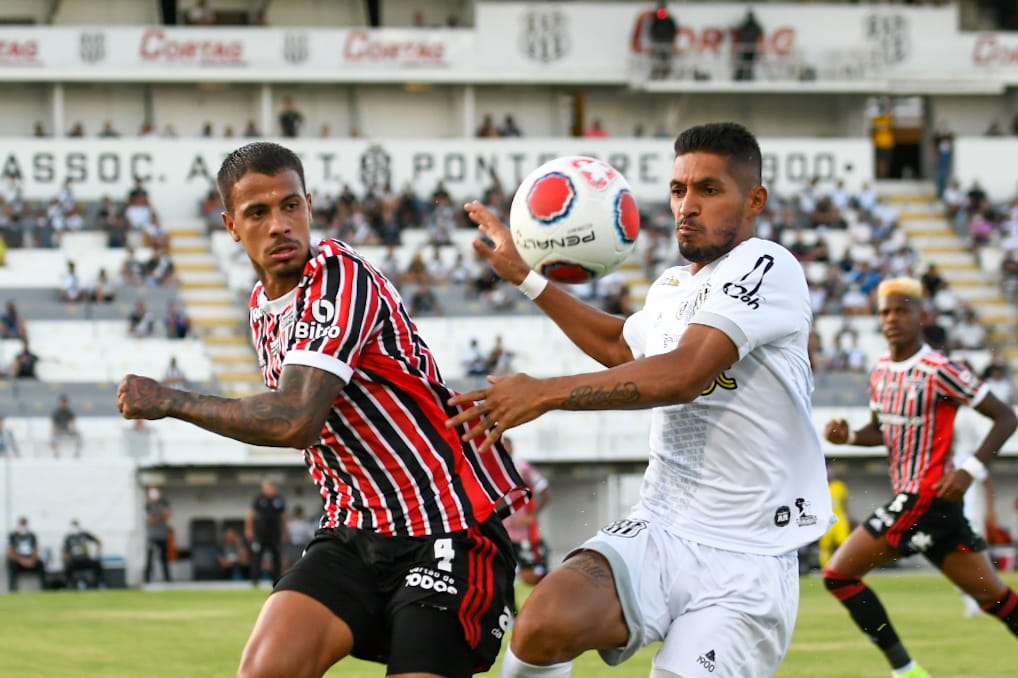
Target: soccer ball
574 219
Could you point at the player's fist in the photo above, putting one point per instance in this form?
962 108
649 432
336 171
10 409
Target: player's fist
142 398
837 431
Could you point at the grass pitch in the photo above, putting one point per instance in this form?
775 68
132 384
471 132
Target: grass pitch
197 633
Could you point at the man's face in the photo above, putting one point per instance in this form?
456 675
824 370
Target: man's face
900 319
271 217
713 212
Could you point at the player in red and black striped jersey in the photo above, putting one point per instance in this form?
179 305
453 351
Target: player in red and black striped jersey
411 566
915 393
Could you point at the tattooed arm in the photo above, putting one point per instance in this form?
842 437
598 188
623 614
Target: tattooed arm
290 416
678 376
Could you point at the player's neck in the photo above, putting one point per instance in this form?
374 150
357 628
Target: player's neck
905 351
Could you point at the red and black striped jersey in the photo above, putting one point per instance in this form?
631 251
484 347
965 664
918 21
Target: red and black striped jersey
385 462
915 402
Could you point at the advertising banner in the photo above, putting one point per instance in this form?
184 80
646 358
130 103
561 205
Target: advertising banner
180 171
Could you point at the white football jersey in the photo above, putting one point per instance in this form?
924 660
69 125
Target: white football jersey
741 466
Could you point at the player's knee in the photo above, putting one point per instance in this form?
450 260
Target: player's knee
834 580
260 661
545 638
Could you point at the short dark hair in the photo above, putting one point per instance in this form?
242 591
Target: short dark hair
728 139
262 157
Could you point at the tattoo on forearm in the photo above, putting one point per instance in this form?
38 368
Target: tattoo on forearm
589 397
592 570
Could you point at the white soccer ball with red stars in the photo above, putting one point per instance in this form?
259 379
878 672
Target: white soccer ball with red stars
574 219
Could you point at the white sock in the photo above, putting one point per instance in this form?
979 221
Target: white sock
514 667
904 669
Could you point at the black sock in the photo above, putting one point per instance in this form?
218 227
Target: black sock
1006 610
869 615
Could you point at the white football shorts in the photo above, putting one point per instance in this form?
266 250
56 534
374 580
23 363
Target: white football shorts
718 613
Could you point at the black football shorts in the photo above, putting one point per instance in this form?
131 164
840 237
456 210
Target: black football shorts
435 604
916 523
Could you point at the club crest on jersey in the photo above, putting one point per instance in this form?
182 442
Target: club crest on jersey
746 288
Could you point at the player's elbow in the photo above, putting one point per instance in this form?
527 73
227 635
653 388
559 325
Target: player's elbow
302 434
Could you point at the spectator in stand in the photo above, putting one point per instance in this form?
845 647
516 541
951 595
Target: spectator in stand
142 218
500 359
747 47
70 285
424 302
23 366
933 332
438 270
12 325
169 132
147 130
64 427
140 322
856 302
661 34
23 555
474 361
160 269
994 129
943 156
132 270
174 376
596 130
82 553
968 334
77 130
932 281
103 289
251 131
234 556
108 131
178 323
206 131
954 200
488 127
882 134
39 130
8 443
290 119
201 14
996 377
1009 275
509 127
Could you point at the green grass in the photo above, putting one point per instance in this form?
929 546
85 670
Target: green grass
200 633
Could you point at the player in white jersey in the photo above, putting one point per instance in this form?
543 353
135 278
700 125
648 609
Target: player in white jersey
706 562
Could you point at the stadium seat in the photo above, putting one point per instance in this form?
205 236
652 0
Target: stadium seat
203 531
204 562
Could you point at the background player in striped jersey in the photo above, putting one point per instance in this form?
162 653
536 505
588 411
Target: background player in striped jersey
914 395
411 565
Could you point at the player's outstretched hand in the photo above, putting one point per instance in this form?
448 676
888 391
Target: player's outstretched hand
837 431
504 258
507 403
142 398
